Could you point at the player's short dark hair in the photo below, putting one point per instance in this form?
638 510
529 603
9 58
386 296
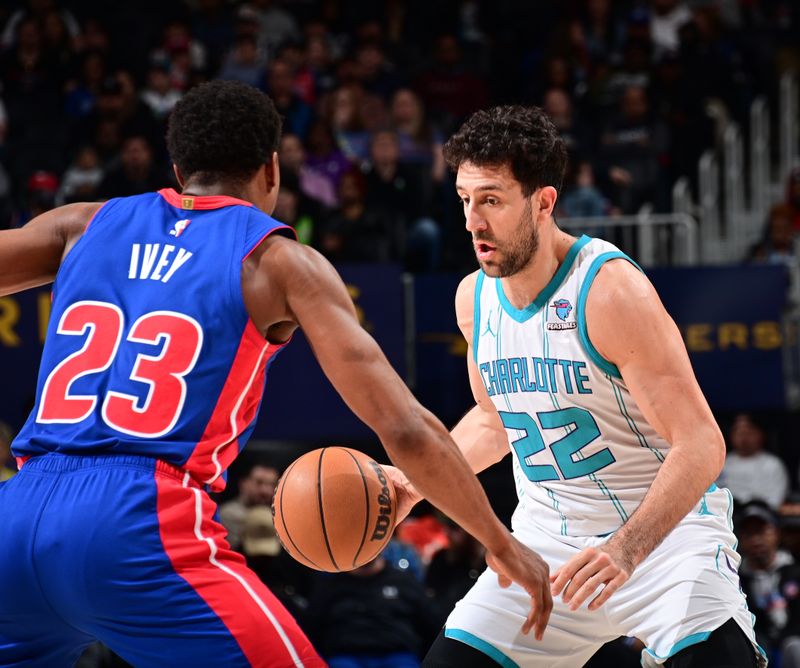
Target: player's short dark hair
523 138
223 131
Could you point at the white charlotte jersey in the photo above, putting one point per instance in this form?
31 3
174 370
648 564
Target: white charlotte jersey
584 456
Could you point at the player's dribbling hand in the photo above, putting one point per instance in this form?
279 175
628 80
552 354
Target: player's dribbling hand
407 496
580 577
522 565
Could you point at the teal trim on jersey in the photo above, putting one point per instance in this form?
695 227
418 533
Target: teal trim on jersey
688 641
712 488
580 311
623 409
476 315
481 645
521 315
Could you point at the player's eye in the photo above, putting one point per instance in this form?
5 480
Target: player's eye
491 201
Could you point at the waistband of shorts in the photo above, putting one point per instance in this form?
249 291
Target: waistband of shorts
55 462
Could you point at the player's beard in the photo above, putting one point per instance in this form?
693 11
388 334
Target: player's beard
519 252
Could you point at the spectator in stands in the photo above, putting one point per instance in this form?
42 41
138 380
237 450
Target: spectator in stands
245 62
750 472
395 190
256 488
582 198
186 55
285 577
373 617
771 581
212 25
312 183
38 11
344 116
419 143
354 233
159 95
450 91
280 86
557 104
277 25
603 32
630 148
297 210
40 196
82 93
320 65
32 94
378 75
82 178
777 245
324 156
121 112
135 173
7 465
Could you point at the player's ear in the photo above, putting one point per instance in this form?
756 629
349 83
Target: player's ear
178 175
547 196
272 173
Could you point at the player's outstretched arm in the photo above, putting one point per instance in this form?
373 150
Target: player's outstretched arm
629 326
31 255
480 434
414 438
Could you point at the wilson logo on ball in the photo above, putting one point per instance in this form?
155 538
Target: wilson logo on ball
384 519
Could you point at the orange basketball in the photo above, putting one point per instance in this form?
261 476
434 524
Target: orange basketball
334 509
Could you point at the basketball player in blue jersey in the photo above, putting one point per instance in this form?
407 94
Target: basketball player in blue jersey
579 372
168 308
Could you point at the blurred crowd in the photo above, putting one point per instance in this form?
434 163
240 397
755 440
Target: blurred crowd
370 90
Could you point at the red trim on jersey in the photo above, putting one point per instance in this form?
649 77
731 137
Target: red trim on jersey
274 229
236 408
267 634
21 461
199 202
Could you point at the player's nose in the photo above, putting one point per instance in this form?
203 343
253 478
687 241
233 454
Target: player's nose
474 222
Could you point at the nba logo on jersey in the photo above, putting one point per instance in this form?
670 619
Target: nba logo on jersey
180 226
563 309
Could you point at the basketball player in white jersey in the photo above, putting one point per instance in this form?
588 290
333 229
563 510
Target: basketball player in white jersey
577 369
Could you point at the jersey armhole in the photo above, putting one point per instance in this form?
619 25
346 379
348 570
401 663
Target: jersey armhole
583 329
476 315
97 216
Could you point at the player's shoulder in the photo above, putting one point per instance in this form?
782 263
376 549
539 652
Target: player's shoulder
619 283
465 293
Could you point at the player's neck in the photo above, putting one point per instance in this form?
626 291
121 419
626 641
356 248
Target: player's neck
217 189
525 286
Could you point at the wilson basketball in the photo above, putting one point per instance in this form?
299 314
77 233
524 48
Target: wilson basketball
334 509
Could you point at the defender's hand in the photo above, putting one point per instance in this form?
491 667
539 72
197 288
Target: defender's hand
522 565
580 577
407 496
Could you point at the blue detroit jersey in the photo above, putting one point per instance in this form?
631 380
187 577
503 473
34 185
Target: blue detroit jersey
150 350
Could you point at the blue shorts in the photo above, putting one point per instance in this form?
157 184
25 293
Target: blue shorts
125 550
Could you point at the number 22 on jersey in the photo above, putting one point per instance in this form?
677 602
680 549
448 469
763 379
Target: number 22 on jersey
584 431
103 325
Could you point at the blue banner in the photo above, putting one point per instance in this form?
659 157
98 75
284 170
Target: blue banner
730 318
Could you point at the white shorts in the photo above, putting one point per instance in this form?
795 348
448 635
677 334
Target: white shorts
685 589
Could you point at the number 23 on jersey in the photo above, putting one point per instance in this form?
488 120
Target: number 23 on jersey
103 325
